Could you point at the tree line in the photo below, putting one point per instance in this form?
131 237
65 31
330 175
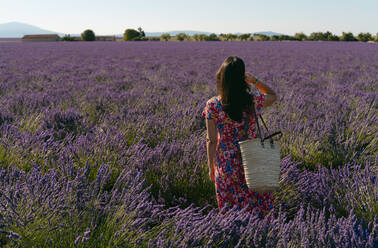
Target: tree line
139 35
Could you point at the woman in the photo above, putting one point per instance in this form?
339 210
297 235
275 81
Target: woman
225 116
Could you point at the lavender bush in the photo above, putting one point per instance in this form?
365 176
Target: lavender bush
103 144
63 122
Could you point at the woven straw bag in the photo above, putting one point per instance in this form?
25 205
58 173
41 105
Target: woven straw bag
261 161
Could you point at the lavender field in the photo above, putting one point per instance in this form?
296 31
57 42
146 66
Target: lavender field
103 145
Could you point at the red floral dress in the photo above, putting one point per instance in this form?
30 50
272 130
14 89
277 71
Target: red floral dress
230 184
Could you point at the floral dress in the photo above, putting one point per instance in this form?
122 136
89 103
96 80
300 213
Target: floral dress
230 184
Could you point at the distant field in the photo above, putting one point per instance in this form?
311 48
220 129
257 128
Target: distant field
103 144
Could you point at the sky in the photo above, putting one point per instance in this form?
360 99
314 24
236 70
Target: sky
218 16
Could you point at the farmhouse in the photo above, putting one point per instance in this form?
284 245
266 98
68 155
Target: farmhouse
41 37
106 38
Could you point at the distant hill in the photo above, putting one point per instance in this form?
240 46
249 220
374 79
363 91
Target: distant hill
18 30
268 33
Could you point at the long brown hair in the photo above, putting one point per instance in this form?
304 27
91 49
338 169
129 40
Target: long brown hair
232 88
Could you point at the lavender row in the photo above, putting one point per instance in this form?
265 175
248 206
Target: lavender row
37 208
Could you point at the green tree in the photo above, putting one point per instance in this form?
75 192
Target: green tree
130 34
67 37
365 37
153 38
347 37
142 35
300 36
274 37
165 37
141 32
285 37
327 35
202 37
231 36
330 37
222 36
181 36
196 37
260 37
317 36
333 37
88 35
376 38
245 36
212 37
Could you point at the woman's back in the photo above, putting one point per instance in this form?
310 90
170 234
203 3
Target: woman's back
231 187
231 130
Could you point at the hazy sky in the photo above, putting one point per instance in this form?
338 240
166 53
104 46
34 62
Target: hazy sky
219 16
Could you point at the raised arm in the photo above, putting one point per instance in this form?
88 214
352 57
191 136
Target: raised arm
270 95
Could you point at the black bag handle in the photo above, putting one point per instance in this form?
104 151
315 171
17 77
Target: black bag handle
271 135
258 126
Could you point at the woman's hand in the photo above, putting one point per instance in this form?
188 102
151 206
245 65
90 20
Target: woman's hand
249 78
270 95
212 173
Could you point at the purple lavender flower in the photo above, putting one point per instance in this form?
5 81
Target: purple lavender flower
113 132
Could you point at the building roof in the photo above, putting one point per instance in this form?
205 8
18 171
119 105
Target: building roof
31 36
